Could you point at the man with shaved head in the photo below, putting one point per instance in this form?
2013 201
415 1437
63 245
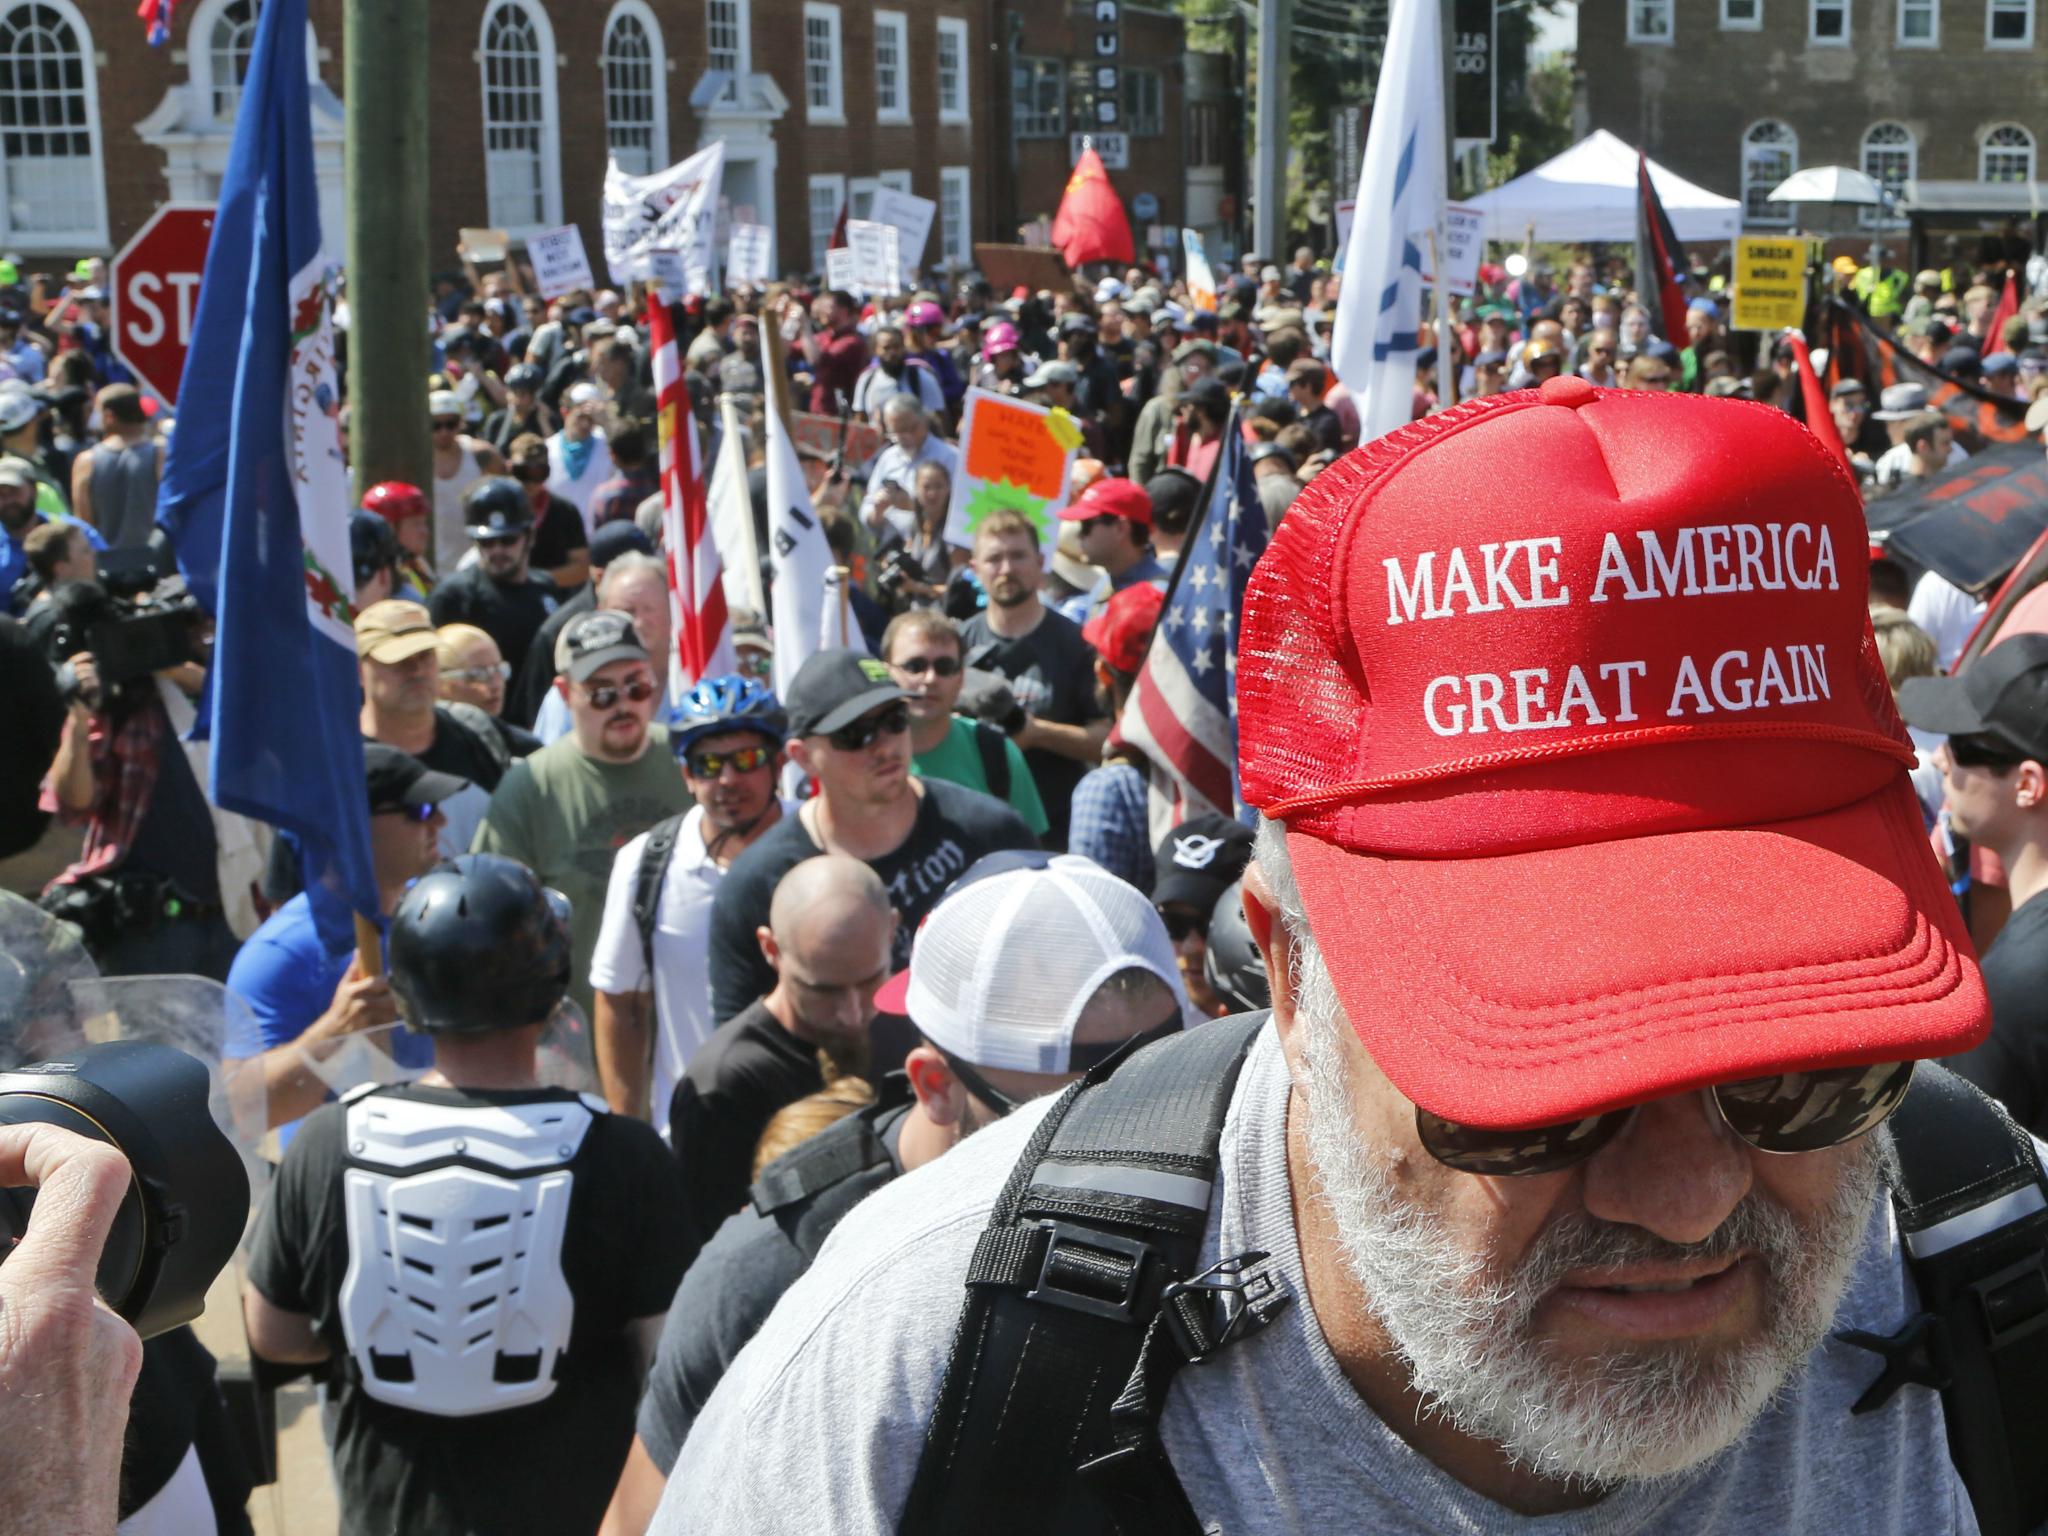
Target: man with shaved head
827 940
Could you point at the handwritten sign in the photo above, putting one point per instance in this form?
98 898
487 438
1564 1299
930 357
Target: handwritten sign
559 263
1462 236
911 217
746 254
841 270
873 270
1012 455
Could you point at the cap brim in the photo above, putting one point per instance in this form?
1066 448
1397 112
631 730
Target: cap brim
1940 704
1530 988
854 708
433 787
392 649
1188 889
894 994
583 666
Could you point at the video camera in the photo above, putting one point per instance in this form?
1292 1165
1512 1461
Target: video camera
132 621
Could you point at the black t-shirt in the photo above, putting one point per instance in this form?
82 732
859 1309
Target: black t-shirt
749 1068
1052 672
551 1465
559 535
509 612
2012 1065
954 827
528 689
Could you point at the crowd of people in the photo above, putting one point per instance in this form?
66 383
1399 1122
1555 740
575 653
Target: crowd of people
822 937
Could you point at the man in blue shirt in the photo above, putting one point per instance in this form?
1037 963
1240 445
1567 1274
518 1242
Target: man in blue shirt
18 519
304 998
19 353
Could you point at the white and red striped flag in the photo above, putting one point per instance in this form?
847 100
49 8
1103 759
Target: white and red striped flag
696 590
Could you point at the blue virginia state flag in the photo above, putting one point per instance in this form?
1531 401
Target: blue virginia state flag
255 495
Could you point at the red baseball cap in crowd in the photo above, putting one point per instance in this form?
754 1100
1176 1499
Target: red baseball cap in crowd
1110 497
1122 631
1591 778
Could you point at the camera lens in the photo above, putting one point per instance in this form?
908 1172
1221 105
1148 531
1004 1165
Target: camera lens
121 1258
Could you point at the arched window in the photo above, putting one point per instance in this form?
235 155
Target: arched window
2006 153
1889 157
522 178
635 102
1770 153
49 127
234 33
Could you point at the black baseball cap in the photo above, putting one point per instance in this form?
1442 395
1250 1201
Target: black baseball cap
2002 693
399 781
620 536
835 688
1200 860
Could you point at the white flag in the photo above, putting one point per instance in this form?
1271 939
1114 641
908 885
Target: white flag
798 555
671 210
1401 194
732 517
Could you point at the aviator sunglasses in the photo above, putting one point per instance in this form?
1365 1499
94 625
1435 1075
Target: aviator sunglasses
640 690
1786 1113
857 735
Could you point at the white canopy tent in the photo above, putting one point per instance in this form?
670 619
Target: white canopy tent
1589 193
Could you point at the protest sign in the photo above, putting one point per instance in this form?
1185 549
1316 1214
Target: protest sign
746 255
1201 281
840 271
873 271
1462 237
911 216
671 210
483 245
1013 455
819 437
559 263
1346 207
1770 283
665 272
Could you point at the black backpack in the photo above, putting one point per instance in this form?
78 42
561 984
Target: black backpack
1083 1302
655 855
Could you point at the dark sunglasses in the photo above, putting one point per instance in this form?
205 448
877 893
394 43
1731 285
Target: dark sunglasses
446 423
1790 1112
860 734
640 690
422 814
493 540
1179 924
938 666
708 765
1983 752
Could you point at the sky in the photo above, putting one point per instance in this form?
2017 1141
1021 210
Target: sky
1558 32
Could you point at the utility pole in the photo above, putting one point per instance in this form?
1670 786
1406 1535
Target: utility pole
1269 170
384 82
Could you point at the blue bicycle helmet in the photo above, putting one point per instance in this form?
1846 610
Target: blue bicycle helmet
729 703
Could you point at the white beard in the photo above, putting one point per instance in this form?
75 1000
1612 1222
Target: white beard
1464 1331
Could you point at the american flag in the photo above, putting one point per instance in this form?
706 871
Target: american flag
1182 713
696 591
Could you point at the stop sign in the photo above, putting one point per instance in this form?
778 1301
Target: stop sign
156 295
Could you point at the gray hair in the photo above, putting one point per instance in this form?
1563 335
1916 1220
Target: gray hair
625 565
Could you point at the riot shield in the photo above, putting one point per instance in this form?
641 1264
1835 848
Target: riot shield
566 1056
39 959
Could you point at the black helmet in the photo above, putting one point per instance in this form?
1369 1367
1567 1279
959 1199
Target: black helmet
372 546
1235 969
496 505
477 944
525 376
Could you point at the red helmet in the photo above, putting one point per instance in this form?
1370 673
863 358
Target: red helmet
395 501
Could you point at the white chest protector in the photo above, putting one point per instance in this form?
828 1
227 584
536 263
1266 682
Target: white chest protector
454 1302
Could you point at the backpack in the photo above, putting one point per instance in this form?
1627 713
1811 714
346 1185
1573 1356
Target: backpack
655 855
1083 1302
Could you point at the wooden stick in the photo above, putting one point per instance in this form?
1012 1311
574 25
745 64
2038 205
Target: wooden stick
369 947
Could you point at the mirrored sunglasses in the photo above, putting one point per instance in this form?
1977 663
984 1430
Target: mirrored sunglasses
1787 1113
709 765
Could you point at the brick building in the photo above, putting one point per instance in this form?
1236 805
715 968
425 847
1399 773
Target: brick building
1736 94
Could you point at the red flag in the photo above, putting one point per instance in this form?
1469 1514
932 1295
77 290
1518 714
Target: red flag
1658 288
1091 224
838 240
1820 421
2008 306
696 586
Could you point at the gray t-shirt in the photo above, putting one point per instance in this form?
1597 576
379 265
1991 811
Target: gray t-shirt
819 1423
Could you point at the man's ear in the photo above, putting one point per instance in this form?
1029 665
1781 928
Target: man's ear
770 950
800 754
1276 947
2030 785
938 1091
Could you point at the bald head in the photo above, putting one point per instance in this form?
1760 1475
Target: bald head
824 896
829 930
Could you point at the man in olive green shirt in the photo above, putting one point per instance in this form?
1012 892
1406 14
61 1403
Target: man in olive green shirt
926 656
567 810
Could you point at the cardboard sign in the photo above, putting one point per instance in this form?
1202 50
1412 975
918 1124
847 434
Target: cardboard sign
840 269
911 217
1201 281
1770 283
746 254
559 263
1022 266
1012 454
818 438
1462 242
665 271
483 245
873 270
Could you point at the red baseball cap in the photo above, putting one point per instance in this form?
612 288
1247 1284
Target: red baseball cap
1591 777
1122 632
1110 497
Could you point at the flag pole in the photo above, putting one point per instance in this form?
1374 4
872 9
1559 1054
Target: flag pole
750 545
1446 365
369 947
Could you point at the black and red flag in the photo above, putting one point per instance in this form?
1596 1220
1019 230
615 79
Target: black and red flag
1859 350
1659 288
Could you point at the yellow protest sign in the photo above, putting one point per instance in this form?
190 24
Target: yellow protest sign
1770 283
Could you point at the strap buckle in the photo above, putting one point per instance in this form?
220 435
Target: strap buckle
2014 1301
1086 1270
1220 1305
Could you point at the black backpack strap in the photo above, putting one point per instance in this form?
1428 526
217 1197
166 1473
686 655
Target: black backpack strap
1083 1301
655 854
995 758
807 1189
1972 1206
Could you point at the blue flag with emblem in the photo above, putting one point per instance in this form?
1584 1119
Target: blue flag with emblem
1182 712
256 495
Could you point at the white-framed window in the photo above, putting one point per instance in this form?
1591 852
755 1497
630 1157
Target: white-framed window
727 46
1919 23
956 229
1890 157
2008 23
228 42
635 89
895 181
1144 103
1827 23
1770 153
826 196
2005 153
952 37
50 128
1649 21
860 196
1742 15
1038 96
824 81
522 150
892 67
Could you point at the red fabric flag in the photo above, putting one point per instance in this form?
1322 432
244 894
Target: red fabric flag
838 240
1658 287
1091 224
2008 306
1820 421
696 585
